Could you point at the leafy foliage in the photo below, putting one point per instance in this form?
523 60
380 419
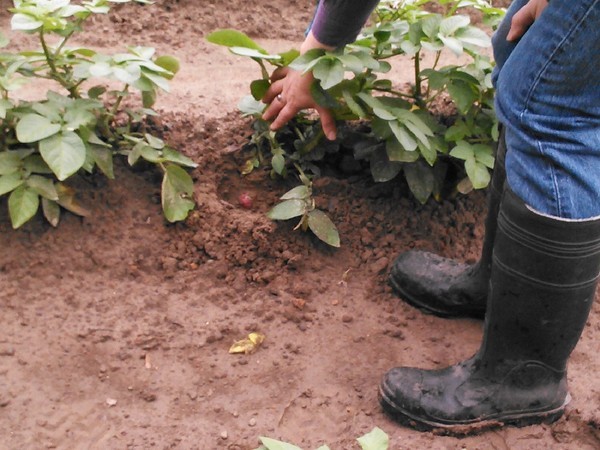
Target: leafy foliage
405 136
44 143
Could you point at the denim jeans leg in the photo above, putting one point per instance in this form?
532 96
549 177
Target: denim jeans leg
548 98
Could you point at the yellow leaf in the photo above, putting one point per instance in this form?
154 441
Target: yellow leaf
248 345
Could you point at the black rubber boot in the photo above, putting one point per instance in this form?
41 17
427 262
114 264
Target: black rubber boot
543 282
443 286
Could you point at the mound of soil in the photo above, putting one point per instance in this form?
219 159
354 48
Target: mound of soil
115 328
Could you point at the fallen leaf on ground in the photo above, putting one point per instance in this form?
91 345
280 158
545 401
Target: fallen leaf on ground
248 345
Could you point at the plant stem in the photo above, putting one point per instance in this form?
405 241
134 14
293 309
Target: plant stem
418 80
54 74
115 108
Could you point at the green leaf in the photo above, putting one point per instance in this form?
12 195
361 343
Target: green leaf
329 71
3 40
103 157
177 193
420 179
33 128
477 173
25 22
232 38
287 209
449 25
474 36
382 169
278 163
452 44
10 182
36 164
299 192
403 137
51 211
323 227
174 156
252 53
5 106
169 63
377 439
10 162
23 203
64 153
396 152
353 104
258 88
43 186
462 93
462 150
272 444
249 106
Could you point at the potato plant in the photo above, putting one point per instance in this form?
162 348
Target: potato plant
81 124
405 135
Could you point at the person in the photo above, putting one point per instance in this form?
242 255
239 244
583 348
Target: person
536 279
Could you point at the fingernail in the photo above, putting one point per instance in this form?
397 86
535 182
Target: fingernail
331 136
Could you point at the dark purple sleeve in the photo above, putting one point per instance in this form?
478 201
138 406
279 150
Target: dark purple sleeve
338 22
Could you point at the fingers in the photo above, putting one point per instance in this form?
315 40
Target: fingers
519 24
274 90
524 18
279 73
285 114
328 123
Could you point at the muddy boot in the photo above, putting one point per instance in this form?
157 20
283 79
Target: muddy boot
542 286
443 286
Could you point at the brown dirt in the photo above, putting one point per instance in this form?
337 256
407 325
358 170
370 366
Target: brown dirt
122 306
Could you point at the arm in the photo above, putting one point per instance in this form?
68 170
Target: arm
336 23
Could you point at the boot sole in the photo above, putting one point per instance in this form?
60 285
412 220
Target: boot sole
468 427
428 309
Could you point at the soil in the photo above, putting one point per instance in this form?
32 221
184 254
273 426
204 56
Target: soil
115 328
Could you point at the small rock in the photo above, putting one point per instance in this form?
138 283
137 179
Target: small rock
7 351
111 402
224 435
252 422
347 318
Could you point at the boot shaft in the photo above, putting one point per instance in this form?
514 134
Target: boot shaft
543 283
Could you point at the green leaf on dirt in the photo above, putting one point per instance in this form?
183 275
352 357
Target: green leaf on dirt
323 227
377 439
23 203
64 153
33 128
287 209
177 193
272 444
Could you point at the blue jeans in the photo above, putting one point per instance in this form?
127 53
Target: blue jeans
548 99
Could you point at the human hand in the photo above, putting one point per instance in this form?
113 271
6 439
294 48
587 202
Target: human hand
523 19
290 92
